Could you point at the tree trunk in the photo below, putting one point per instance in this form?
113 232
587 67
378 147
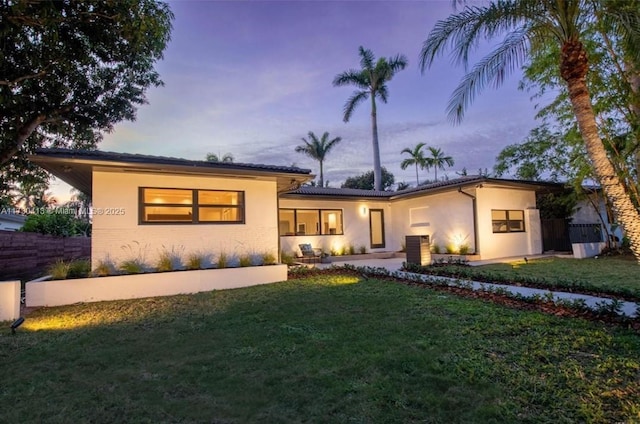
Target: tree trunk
377 171
573 69
7 152
321 175
417 180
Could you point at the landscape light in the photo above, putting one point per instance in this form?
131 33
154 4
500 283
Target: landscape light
17 323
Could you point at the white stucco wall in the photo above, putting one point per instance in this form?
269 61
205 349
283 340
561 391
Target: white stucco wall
356 225
447 218
498 245
118 237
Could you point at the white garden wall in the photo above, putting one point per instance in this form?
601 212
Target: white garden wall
9 300
67 292
120 236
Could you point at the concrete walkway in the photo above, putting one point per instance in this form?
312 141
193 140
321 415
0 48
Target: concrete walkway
395 264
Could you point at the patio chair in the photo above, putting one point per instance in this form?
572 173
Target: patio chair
310 254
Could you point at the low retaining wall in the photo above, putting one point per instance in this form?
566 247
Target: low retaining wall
9 300
587 250
66 292
27 255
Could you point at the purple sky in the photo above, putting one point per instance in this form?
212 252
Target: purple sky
252 78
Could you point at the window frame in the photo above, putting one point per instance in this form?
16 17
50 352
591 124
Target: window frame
195 207
319 211
507 221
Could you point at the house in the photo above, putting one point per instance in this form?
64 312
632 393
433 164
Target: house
143 204
593 213
491 217
10 221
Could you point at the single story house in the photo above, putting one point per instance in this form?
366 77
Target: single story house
10 221
490 217
144 204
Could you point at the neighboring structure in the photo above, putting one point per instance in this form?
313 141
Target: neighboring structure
10 221
146 204
593 212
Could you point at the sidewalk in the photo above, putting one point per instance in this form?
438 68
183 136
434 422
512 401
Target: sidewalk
395 264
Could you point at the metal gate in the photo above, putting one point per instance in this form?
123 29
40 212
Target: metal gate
555 235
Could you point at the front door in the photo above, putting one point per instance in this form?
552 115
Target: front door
376 228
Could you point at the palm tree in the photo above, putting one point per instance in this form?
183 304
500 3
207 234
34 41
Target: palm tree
438 160
529 26
226 158
417 159
318 149
371 82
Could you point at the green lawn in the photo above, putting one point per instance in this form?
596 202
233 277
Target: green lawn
321 349
616 275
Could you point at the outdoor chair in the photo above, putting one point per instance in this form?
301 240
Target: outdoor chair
310 254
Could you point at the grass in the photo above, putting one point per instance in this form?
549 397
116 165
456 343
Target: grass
319 349
615 275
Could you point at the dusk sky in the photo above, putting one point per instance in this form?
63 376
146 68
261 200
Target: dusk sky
253 78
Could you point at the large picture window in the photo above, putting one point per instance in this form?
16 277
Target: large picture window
314 222
185 206
507 221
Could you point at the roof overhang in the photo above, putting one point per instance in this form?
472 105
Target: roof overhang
77 169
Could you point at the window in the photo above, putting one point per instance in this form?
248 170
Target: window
185 206
505 221
305 222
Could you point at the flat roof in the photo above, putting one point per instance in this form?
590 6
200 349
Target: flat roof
76 167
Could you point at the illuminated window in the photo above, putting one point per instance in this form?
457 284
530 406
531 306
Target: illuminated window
172 206
507 221
305 222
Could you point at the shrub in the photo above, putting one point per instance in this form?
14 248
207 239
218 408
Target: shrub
352 250
268 258
79 268
363 249
245 260
169 260
105 267
464 249
287 258
132 266
450 249
196 260
57 223
223 260
59 270
435 248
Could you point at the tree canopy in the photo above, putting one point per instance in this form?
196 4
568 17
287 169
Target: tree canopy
70 70
365 181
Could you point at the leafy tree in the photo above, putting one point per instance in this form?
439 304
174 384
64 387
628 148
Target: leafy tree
318 149
371 83
33 194
402 185
417 159
438 160
60 222
71 70
530 26
226 158
366 181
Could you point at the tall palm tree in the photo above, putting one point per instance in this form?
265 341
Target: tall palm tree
438 160
371 82
226 158
417 159
317 149
530 25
